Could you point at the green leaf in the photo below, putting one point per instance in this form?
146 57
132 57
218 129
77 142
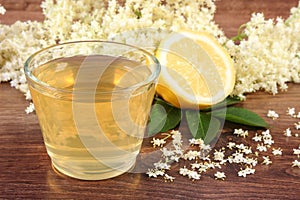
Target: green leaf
213 130
241 116
230 101
195 123
202 125
163 117
226 102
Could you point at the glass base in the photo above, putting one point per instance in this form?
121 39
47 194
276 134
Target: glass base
94 174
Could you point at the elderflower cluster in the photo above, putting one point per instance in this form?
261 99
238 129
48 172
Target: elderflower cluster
269 56
267 59
17 43
169 155
136 22
199 159
264 141
175 153
88 19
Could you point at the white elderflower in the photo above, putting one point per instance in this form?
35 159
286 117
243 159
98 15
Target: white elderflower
193 175
272 114
238 131
291 112
158 142
298 115
246 171
247 150
184 171
203 168
175 158
277 152
241 133
218 164
236 157
266 134
266 160
162 165
267 138
205 147
268 142
250 170
194 141
250 161
230 145
220 175
190 173
244 148
287 132
296 163
219 155
30 108
154 173
297 126
177 138
196 165
178 151
2 10
297 152
245 134
191 155
205 158
169 178
159 172
222 162
28 95
210 165
257 138
261 147
151 173
240 146
166 152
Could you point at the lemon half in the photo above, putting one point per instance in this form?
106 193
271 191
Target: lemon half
197 72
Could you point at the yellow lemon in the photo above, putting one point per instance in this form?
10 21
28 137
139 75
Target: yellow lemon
197 72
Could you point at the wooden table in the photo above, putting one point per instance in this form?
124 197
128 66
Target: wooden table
26 172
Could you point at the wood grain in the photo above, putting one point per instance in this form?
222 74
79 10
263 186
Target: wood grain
26 172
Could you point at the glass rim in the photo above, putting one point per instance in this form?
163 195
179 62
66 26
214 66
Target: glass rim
154 74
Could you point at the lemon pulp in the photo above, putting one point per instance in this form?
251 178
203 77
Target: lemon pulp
197 71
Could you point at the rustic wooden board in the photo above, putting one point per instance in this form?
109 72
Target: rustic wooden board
26 172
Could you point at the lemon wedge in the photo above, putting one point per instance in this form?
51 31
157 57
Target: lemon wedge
197 72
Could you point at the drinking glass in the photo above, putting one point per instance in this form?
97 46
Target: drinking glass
92 100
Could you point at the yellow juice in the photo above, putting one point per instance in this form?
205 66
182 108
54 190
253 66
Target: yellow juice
92 125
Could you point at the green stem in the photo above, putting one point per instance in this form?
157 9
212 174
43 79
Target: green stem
240 35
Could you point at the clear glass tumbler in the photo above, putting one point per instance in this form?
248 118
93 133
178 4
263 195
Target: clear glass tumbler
92 99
